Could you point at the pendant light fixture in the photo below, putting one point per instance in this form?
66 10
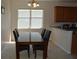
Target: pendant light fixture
33 3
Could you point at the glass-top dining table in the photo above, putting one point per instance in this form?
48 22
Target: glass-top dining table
31 38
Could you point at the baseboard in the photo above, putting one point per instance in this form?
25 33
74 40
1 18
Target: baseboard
62 48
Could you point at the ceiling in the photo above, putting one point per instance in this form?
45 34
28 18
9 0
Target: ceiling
56 0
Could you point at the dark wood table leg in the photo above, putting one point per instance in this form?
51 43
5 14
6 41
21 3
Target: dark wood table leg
17 54
45 52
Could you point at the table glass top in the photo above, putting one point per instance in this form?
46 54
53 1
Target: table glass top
30 36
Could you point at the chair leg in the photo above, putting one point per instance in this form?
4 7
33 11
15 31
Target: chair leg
28 53
17 54
35 54
33 51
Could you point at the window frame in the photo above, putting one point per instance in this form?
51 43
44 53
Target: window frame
31 17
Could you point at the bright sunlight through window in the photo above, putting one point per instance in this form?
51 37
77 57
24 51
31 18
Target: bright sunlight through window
30 19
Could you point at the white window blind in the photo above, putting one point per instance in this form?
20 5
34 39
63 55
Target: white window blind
30 19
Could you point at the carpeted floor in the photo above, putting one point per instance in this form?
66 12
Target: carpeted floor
53 53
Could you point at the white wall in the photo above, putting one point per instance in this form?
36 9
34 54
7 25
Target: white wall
5 23
62 39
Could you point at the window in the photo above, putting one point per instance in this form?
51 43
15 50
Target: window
30 19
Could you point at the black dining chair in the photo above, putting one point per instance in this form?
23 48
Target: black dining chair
15 36
20 47
17 33
41 47
43 32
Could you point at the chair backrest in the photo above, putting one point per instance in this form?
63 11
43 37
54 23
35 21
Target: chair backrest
47 35
43 32
17 32
15 36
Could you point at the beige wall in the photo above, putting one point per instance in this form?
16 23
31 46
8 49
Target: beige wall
23 4
48 8
9 19
5 23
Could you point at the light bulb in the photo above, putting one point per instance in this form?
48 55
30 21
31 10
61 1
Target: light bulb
37 4
34 5
29 4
